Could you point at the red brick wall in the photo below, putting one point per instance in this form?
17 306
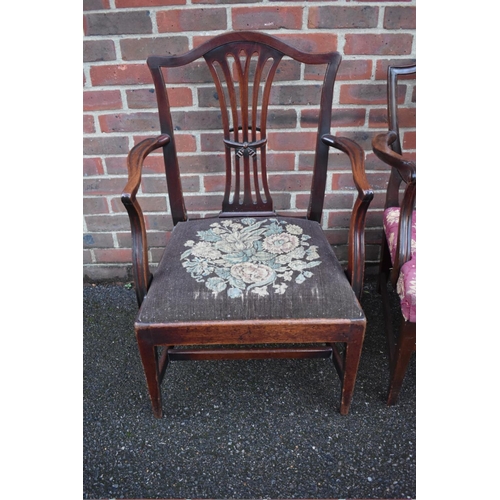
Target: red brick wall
119 110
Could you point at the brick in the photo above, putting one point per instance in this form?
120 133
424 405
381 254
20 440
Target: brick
146 98
154 185
124 4
97 240
97 205
406 117
116 165
153 164
214 183
400 18
341 117
267 18
93 146
92 166
203 203
333 201
384 44
339 219
295 94
340 17
363 94
141 48
280 162
155 239
97 100
382 64
87 257
223 1
202 163
359 69
129 122
409 140
311 42
98 50
118 23
197 72
95 4
103 186
107 223
180 20
292 141
290 182
158 222
113 255
120 74
88 124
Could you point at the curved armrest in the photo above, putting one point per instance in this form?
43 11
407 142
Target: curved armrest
381 147
356 244
135 160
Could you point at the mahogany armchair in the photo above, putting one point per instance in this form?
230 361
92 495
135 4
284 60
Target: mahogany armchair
398 253
248 283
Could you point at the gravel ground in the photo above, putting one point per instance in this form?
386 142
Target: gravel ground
239 429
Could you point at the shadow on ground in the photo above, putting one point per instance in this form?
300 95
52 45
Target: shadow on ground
239 429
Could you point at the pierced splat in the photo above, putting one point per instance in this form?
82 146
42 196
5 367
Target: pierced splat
243 75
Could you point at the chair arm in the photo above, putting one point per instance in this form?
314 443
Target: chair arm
135 160
356 244
381 147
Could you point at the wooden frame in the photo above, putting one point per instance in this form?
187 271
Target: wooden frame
247 195
387 147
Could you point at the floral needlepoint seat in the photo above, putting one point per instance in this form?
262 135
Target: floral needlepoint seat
248 268
247 282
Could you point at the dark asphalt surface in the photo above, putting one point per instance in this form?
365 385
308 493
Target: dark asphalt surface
239 429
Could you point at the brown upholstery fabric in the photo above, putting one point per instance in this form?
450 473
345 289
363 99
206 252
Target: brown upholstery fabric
312 284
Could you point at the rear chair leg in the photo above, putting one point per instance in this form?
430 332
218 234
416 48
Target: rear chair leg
149 358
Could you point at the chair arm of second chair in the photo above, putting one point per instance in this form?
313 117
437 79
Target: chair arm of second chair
356 243
135 160
407 173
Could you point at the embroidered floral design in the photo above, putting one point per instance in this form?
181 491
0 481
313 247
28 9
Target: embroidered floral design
250 255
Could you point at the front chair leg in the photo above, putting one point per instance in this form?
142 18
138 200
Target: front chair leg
405 347
351 364
149 358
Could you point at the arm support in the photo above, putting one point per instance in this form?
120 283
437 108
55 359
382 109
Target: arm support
381 147
356 244
402 171
135 160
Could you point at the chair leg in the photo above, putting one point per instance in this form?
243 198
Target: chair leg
351 364
385 265
149 358
405 347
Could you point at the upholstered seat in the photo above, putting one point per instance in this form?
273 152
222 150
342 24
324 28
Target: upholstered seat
406 283
251 268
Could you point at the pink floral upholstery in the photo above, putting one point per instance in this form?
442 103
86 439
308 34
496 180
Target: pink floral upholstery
407 281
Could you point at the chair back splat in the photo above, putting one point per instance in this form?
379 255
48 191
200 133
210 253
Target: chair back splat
243 66
250 282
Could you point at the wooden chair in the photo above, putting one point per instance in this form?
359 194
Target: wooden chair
398 256
248 283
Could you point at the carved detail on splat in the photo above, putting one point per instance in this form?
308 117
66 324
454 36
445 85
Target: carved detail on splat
243 76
